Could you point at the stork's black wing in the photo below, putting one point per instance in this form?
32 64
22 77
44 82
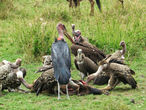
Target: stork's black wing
61 60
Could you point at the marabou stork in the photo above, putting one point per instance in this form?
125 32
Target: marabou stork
61 60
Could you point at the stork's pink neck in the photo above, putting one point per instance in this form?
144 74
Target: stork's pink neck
60 38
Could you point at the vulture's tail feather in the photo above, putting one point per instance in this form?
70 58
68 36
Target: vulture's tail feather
132 72
101 80
131 81
39 89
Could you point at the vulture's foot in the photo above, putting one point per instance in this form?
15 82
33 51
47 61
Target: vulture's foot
105 92
11 90
22 91
108 88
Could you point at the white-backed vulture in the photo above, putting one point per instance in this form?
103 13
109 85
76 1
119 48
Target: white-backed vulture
10 78
89 50
47 64
85 65
14 65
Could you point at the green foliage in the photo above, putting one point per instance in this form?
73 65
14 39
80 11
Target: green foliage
34 40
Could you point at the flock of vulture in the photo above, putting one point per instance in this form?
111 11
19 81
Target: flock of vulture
91 63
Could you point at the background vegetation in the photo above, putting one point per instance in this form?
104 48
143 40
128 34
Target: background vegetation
28 29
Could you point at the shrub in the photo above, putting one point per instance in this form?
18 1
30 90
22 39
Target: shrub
34 40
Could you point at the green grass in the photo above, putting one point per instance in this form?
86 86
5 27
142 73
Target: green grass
24 35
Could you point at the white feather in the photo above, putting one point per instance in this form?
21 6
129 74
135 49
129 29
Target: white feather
5 62
19 74
122 57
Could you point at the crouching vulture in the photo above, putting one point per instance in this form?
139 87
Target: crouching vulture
47 64
47 83
116 69
11 78
85 65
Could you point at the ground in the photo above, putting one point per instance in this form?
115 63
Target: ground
109 27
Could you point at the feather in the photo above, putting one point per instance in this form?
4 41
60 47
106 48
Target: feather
61 60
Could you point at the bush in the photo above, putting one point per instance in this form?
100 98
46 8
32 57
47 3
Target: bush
34 40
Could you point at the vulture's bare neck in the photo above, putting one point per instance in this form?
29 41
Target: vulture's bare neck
25 83
80 58
123 49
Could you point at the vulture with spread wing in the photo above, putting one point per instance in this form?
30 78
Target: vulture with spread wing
118 71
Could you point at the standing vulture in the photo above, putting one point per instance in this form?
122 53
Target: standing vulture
89 50
79 42
117 70
61 60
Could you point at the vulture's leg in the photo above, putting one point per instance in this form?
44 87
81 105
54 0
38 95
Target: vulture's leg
10 90
58 90
21 90
70 4
92 7
0 89
67 92
115 84
111 82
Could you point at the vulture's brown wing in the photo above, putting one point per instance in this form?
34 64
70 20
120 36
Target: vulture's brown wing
101 79
128 79
75 62
90 66
46 82
44 68
91 53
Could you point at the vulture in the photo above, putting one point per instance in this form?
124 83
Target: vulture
10 78
14 65
117 70
47 64
47 83
13 81
85 65
61 60
79 42
89 50
118 56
